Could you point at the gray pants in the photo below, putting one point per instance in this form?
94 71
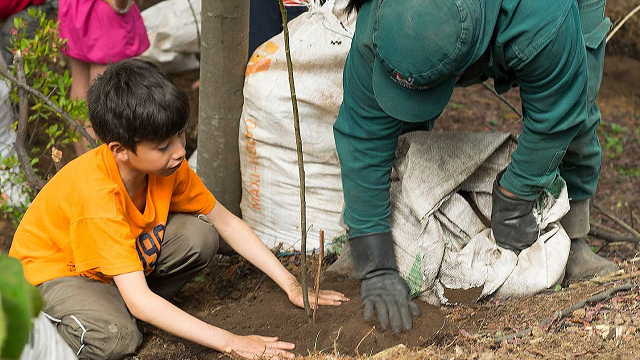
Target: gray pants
92 317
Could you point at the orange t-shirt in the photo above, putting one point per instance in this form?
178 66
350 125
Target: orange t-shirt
83 222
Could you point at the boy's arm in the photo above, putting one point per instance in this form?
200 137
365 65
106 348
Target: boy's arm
153 309
243 240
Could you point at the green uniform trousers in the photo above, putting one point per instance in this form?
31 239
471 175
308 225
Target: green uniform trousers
92 317
560 115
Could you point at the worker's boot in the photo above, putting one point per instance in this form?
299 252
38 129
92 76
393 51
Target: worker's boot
344 265
583 263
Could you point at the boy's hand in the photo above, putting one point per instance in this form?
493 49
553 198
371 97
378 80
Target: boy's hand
261 347
325 297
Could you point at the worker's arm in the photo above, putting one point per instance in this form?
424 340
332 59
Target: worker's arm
553 88
366 139
246 243
153 309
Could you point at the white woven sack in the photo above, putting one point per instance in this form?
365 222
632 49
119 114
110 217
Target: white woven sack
45 343
320 40
173 36
15 192
442 242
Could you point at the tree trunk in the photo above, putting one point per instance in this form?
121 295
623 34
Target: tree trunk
224 54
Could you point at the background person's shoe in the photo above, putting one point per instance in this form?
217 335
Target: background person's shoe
583 263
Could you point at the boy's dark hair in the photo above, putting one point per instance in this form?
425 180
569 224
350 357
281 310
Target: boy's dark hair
133 101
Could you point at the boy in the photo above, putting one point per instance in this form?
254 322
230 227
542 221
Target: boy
110 238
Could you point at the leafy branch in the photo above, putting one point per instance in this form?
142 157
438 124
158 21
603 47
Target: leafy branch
63 114
47 118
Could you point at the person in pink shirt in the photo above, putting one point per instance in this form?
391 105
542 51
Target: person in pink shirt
98 32
10 9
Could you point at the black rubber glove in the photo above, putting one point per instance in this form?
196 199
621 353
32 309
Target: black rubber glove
382 290
512 221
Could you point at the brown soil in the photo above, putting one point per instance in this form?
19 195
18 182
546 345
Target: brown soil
463 297
269 311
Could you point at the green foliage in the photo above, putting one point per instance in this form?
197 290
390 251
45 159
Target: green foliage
629 172
20 303
14 179
614 138
337 243
613 146
40 52
456 106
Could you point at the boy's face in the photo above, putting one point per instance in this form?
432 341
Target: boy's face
161 158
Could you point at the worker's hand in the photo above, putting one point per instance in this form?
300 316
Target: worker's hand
388 294
512 222
260 347
325 297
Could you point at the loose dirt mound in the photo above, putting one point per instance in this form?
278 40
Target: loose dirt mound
269 312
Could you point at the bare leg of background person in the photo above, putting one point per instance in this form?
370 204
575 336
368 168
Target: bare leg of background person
83 75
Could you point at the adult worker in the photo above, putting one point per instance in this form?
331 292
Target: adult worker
405 60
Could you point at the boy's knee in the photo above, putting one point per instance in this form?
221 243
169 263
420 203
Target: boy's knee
95 339
205 238
197 233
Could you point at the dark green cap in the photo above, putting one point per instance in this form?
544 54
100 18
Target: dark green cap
420 48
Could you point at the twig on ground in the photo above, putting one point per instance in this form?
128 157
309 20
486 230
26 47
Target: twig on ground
320 258
361 340
296 125
277 249
603 247
504 100
629 15
22 84
620 223
489 126
335 343
608 279
607 276
562 313
23 122
451 343
605 228
609 236
484 319
259 283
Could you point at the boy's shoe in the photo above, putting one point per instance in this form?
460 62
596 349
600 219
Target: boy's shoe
583 263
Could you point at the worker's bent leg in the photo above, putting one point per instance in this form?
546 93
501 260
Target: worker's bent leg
91 317
188 245
581 164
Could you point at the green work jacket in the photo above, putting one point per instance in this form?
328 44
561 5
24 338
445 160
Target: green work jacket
552 49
